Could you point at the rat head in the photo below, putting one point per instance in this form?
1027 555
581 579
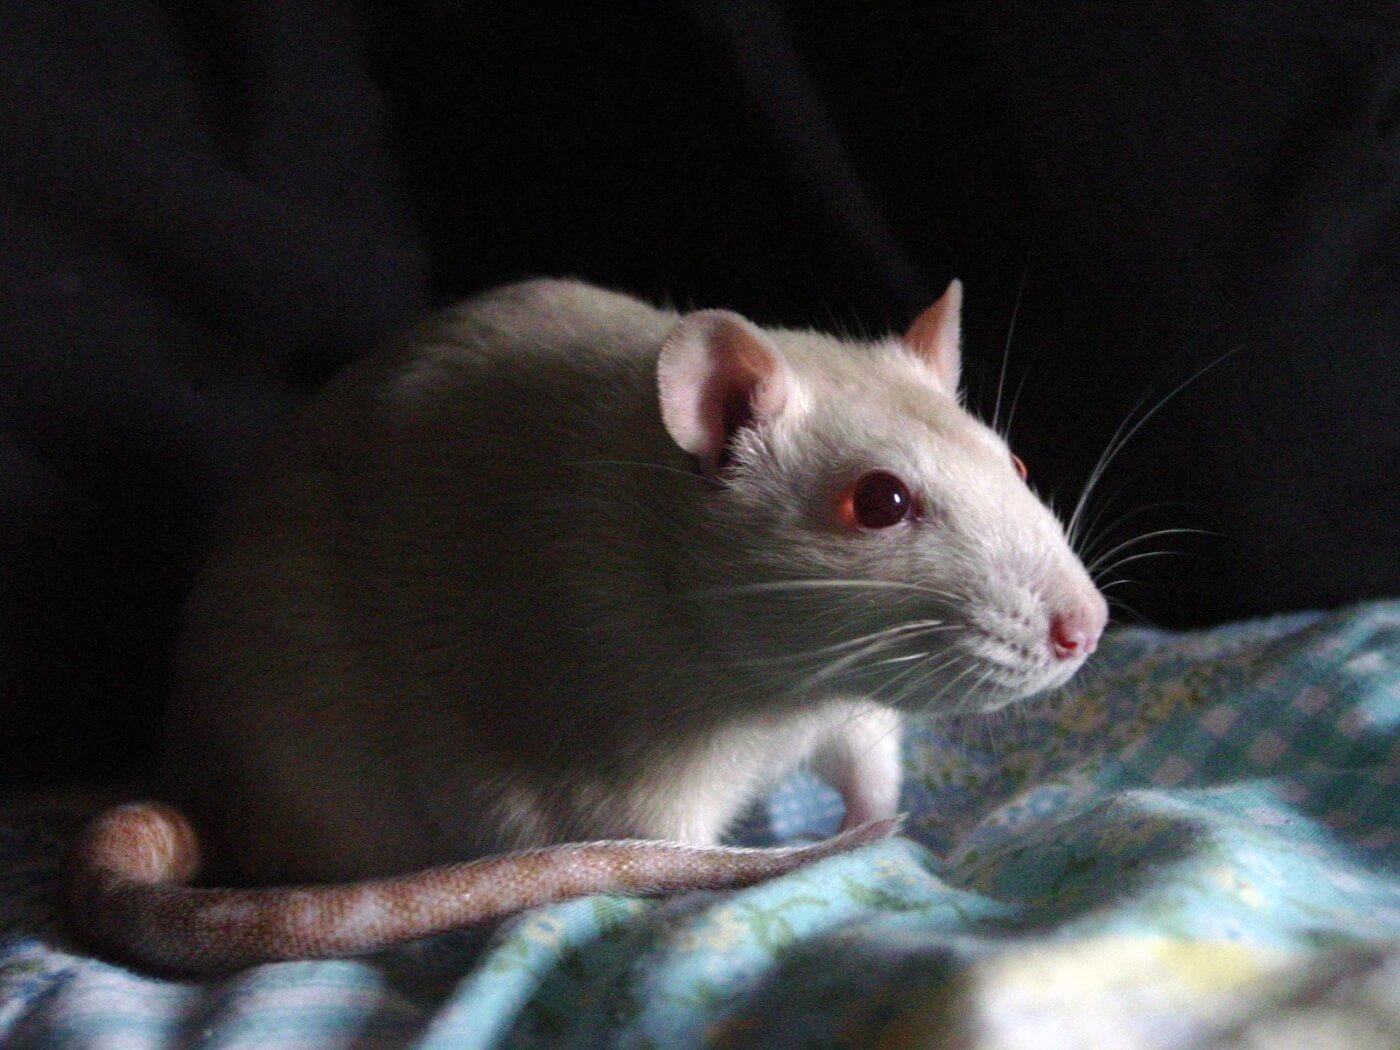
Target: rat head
873 531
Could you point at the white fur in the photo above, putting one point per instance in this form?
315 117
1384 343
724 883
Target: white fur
479 598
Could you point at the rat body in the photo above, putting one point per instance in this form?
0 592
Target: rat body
563 566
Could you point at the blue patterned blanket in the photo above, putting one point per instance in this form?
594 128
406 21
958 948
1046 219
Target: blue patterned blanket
1199 846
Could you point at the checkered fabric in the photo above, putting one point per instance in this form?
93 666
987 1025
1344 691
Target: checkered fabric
1197 846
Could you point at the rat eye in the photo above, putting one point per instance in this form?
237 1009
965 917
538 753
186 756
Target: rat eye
877 500
1020 466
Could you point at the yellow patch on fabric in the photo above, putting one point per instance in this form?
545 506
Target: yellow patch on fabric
1110 993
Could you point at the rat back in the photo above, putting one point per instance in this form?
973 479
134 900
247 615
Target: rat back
443 620
564 566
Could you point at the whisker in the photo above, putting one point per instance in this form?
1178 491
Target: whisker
1122 436
1090 536
932 701
1016 397
1145 554
1090 549
960 704
639 463
770 586
912 629
1010 334
875 643
868 644
1105 587
897 660
921 672
986 676
1129 544
1138 618
988 722
926 674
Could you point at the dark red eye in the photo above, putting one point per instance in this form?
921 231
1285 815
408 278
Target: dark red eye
1020 466
877 500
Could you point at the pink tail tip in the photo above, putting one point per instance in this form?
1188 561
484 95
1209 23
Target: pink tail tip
871 831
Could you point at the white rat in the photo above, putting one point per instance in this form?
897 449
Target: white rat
563 566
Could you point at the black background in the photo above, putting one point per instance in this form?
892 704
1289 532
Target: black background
205 208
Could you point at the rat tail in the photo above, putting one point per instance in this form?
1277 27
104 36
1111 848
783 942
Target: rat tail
127 892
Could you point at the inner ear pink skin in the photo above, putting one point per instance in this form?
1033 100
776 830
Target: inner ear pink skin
716 374
936 336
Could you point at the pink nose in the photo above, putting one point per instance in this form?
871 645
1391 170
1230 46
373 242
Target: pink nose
1075 632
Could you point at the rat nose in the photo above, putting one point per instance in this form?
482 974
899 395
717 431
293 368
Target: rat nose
1075 632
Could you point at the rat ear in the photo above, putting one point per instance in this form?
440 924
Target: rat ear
936 336
717 373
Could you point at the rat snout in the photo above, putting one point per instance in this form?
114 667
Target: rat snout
1076 629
